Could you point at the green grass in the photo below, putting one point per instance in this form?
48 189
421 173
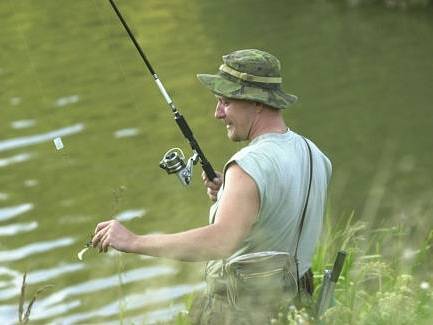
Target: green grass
379 284
376 286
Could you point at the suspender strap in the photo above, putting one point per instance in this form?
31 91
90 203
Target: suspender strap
303 217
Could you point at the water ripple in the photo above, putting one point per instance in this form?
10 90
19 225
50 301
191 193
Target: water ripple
54 272
39 138
11 288
47 307
105 283
130 214
162 315
67 100
136 301
12 212
23 124
125 133
3 196
14 159
157 316
17 228
36 248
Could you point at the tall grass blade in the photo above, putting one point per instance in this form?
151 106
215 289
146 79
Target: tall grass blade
29 308
22 299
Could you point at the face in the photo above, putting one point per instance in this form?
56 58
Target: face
238 116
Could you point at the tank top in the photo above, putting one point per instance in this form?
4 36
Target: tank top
279 165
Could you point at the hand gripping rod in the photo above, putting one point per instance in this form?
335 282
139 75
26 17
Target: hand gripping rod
180 120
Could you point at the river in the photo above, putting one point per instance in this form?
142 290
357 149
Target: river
363 75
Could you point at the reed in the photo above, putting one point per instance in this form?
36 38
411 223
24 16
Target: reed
23 317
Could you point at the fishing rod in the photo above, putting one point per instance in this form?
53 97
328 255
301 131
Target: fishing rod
173 160
330 279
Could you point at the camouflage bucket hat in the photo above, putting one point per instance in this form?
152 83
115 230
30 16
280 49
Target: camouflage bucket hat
249 75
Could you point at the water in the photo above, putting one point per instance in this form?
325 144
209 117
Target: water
363 76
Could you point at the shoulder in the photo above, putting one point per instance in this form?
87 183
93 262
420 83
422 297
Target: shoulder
255 151
321 160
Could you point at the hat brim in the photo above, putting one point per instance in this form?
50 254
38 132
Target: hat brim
224 87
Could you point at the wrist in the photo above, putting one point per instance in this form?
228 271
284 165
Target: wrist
134 244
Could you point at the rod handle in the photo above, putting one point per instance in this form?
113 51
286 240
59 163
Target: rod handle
187 133
208 170
338 266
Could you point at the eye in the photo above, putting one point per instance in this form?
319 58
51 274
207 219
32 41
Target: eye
223 101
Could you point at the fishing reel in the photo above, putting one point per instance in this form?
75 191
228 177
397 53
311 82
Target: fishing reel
173 162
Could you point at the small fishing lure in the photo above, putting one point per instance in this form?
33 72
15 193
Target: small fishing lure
85 249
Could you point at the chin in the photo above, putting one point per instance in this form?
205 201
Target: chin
235 137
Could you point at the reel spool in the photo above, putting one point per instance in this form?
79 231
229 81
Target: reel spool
173 162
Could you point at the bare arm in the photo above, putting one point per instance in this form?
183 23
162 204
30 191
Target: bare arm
236 214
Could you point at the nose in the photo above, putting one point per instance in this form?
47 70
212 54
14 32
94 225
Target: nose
219 110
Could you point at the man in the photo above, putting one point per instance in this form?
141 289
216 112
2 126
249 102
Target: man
261 194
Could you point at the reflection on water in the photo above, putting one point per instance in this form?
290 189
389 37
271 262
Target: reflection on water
138 301
13 285
8 276
17 228
30 182
130 214
52 273
48 307
15 101
107 282
95 86
3 196
39 138
15 159
34 248
12 212
159 315
125 133
67 100
60 301
8 313
22 124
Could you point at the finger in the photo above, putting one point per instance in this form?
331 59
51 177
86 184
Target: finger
208 184
217 180
213 186
102 225
203 176
99 235
104 243
212 195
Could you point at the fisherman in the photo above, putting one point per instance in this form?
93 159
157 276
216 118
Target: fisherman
270 196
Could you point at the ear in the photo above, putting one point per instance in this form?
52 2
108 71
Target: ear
259 107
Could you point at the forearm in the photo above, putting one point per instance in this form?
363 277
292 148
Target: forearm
200 244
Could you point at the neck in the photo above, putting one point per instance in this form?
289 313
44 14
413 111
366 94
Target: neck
267 121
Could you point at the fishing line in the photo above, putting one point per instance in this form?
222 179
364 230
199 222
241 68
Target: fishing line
172 163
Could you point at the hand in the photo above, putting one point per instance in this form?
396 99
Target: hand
113 234
214 186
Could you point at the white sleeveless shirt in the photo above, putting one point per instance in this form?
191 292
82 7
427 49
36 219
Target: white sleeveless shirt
279 165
